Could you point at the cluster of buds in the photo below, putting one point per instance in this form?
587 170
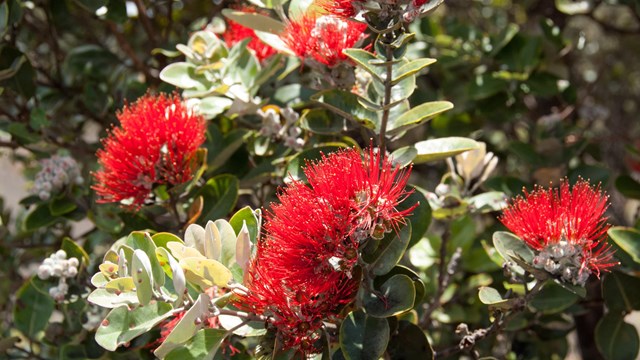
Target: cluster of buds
564 260
57 265
280 123
406 10
57 172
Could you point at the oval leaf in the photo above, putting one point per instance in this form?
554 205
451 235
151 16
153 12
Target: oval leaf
363 337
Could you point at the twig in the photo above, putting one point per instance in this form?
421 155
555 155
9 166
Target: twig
146 23
444 278
387 97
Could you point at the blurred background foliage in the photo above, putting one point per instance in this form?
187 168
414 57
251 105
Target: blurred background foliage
552 87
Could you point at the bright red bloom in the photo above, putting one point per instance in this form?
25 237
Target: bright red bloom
305 268
563 223
236 33
154 145
323 38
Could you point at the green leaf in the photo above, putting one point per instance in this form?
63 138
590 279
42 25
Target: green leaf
420 218
628 186
143 241
320 121
621 292
227 241
255 21
552 299
628 239
411 68
183 75
212 106
346 104
409 342
40 217
437 149
389 251
616 339
61 206
123 325
492 297
32 309
363 59
162 238
38 119
395 296
363 337
418 116
510 246
220 194
142 276
488 202
74 250
247 216
110 298
192 321
117 11
203 346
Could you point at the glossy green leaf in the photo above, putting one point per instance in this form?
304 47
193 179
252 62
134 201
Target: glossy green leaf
409 342
172 268
32 309
40 217
628 239
616 339
418 116
183 75
220 194
628 186
553 298
74 250
621 292
395 296
420 217
246 216
162 238
363 337
438 149
389 251
123 325
192 321
202 346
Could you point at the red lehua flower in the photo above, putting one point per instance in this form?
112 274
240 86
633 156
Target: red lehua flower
236 32
305 267
568 222
154 145
322 37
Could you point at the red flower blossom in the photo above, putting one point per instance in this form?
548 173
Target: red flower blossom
305 268
322 38
154 145
566 228
236 33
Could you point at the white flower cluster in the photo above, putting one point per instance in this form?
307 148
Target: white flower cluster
57 172
57 265
272 126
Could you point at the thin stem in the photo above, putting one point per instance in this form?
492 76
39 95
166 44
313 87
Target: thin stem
387 95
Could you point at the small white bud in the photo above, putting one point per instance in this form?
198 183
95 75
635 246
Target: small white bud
61 254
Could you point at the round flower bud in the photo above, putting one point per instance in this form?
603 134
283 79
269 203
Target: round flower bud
73 262
57 270
72 271
44 272
61 254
